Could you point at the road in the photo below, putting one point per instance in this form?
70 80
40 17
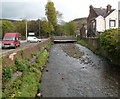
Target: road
24 43
73 73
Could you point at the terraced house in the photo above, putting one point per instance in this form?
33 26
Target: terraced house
101 19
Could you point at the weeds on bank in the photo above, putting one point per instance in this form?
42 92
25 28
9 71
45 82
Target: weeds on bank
81 42
27 84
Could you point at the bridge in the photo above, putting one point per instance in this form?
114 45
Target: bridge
64 39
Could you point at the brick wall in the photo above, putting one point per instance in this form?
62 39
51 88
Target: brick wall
9 59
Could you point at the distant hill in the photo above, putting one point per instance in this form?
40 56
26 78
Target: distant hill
80 21
9 20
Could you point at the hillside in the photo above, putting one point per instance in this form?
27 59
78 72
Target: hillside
80 21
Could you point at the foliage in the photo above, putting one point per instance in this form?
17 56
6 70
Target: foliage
46 28
110 42
20 65
83 43
33 54
40 59
20 27
34 26
7 74
51 13
60 30
22 53
6 26
27 84
70 28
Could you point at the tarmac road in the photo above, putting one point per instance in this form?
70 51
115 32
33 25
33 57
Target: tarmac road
67 75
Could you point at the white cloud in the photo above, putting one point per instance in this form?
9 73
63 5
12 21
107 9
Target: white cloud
70 9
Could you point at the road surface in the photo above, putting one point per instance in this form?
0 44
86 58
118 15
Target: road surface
73 73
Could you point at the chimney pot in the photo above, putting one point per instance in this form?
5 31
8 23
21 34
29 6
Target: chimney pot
109 8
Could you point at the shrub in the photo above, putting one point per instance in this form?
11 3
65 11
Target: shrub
110 42
7 74
33 54
20 65
22 53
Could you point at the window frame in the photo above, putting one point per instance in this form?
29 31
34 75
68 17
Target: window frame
110 24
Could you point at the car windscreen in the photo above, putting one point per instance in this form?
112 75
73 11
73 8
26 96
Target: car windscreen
9 38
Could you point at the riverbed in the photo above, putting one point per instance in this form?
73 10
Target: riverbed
75 71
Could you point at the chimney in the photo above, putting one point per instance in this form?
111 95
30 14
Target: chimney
109 8
91 8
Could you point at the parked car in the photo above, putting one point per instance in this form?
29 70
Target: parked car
11 40
33 39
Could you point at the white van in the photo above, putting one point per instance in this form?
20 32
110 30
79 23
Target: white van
33 39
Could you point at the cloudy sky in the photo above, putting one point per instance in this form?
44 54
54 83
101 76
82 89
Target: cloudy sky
34 9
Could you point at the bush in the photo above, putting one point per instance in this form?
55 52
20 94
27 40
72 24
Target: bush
110 42
7 74
20 65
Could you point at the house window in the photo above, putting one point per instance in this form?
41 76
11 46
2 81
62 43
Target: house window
112 23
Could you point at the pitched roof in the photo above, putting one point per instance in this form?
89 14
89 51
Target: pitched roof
102 11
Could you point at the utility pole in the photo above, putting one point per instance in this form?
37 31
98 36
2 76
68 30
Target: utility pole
39 27
26 29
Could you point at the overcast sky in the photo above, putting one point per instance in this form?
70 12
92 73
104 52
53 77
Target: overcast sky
34 9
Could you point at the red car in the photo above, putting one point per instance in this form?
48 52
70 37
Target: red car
11 40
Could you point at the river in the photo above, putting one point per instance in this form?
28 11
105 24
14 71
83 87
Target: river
75 71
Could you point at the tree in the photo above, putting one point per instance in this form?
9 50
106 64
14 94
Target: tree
34 26
70 28
60 30
6 26
46 28
51 13
20 27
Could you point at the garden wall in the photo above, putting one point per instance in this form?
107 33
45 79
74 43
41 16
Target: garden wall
94 43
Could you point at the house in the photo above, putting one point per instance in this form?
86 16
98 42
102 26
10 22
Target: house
101 19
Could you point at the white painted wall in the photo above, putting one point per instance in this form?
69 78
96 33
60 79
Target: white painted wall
100 24
112 16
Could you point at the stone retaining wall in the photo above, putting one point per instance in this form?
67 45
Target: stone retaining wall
94 43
